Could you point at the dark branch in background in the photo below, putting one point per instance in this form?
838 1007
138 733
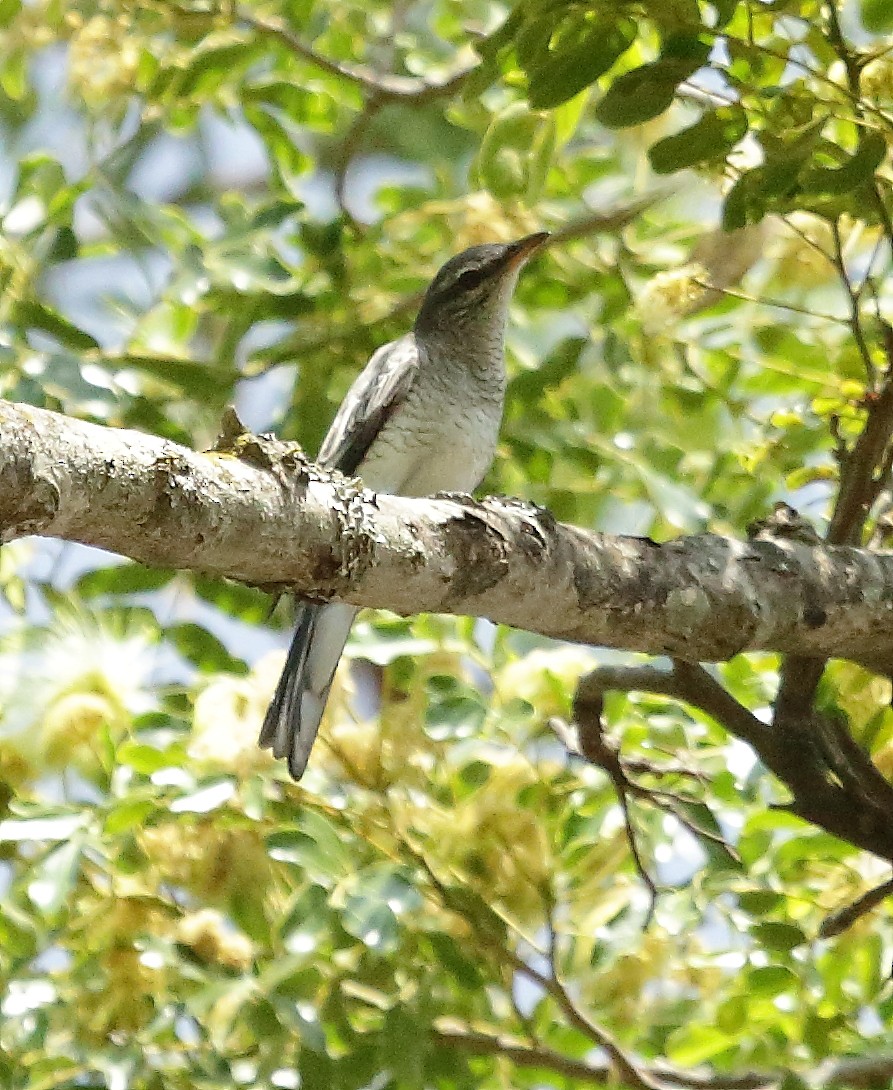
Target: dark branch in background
853 1072
486 930
379 89
844 918
591 742
605 755
834 771
380 85
833 783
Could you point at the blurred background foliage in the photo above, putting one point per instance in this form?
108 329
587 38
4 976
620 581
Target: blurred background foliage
204 203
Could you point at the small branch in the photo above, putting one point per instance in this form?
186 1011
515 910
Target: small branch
855 319
700 689
622 786
348 151
860 1071
834 783
624 1065
447 1031
607 222
683 682
383 86
843 918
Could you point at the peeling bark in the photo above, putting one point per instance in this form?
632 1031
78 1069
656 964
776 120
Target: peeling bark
259 512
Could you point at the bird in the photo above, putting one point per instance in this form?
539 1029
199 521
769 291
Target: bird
422 417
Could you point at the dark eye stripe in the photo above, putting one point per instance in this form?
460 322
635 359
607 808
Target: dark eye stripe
468 280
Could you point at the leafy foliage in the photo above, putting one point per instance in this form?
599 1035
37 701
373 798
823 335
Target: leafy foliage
204 202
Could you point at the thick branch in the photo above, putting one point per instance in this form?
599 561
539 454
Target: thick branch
261 514
833 783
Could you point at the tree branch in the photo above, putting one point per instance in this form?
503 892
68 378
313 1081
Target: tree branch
843 918
448 1031
855 1071
833 782
381 85
257 511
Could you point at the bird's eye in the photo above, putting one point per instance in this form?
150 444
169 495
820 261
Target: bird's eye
468 280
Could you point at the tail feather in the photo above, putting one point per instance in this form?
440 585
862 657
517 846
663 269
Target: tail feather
294 714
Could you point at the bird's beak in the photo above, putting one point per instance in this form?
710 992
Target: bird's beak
518 252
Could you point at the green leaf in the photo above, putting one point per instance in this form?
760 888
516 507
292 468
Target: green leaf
643 93
877 15
130 578
147 759
456 961
725 10
34 315
203 649
712 137
760 902
315 846
770 980
130 814
200 380
857 171
291 98
696 1043
775 935
308 921
278 140
766 188
211 66
405 1045
372 922
18 932
567 71
14 74
246 603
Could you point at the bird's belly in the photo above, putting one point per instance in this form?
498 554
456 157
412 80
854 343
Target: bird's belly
449 455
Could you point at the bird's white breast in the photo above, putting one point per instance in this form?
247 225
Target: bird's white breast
433 445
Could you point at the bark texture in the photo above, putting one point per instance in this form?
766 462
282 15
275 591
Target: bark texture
256 510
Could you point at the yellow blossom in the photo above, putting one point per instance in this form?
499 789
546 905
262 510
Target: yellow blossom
546 678
672 295
103 58
493 842
210 860
227 717
214 941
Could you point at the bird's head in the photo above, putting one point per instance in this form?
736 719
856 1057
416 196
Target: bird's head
474 287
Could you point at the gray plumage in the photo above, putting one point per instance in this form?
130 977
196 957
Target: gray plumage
422 417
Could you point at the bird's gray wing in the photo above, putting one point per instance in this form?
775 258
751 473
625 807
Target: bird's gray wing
379 388
296 709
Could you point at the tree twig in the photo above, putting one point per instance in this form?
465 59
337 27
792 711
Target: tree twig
843 918
381 85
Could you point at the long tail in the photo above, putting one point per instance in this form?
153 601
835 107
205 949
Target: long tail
293 716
